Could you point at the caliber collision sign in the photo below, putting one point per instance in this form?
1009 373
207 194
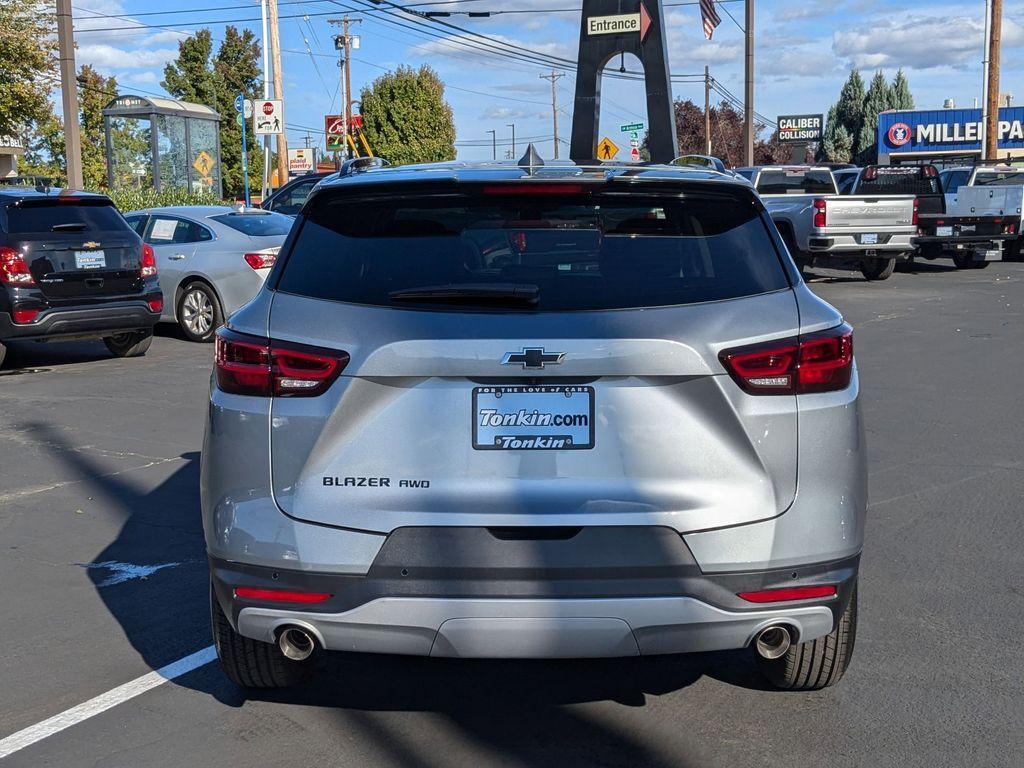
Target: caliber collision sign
801 127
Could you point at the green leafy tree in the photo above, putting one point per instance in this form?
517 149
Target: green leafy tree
836 143
406 119
236 69
877 100
850 107
902 98
94 93
726 135
27 64
190 76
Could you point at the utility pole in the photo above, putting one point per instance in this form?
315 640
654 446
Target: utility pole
494 144
275 54
266 95
513 127
991 148
344 43
69 94
707 110
554 77
748 100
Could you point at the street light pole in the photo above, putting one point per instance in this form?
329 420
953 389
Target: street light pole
69 95
513 127
748 100
494 144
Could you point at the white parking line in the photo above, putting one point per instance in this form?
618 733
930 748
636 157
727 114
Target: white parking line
29 736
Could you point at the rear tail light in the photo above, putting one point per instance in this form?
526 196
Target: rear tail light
931 172
148 263
820 362
156 305
913 220
870 173
260 259
788 593
1009 229
14 269
250 365
820 215
281 595
22 316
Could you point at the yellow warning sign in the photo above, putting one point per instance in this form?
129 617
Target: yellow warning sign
607 149
203 163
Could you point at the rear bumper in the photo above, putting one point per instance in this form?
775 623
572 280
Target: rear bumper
68 324
466 592
824 243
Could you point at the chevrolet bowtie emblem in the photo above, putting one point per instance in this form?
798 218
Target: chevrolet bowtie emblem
533 357
91 244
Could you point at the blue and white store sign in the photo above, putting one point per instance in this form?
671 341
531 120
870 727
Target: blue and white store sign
944 130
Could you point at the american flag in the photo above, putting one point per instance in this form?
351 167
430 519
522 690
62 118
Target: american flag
709 16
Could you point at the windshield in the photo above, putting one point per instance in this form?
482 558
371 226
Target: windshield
795 182
264 224
32 217
559 252
989 178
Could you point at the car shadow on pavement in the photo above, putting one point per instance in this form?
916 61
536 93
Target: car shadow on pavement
25 355
516 707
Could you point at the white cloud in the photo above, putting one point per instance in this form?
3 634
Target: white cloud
510 113
919 42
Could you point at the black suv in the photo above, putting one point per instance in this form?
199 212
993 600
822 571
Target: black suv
72 268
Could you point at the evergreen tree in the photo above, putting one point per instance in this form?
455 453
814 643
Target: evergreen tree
850 107
877 100
190 76
902 98
836 143
237 70
406 119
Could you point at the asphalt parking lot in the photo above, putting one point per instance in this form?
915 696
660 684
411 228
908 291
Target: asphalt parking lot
104 580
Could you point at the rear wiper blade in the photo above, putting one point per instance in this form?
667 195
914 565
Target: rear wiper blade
519 293
72 226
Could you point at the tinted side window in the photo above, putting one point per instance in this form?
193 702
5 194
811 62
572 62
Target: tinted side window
292 200
955 180
138 223
582 253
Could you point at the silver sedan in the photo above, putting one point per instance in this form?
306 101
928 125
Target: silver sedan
211 259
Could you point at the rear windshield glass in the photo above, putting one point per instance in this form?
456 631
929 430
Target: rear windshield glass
256 224
988 178
34 218
572 253
898 180
795 182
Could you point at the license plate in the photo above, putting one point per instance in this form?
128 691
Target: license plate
533 418
90 260
944 231
871 239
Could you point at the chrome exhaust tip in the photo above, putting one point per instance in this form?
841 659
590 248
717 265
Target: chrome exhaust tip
296 643
773 642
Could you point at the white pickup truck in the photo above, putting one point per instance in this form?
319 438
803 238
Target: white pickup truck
956 179
820 226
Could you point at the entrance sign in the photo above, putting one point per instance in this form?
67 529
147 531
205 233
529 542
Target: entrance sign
607 149
269 118
606 32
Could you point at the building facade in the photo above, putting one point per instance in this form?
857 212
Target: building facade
945 136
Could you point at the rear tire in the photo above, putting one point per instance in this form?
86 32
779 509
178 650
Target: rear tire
819 663
250 663
981 264
877 269
964 260
199 312
132 344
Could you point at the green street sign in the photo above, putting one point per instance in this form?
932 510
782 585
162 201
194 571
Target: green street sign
628 127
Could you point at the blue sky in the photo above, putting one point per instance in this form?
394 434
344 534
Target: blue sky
804 51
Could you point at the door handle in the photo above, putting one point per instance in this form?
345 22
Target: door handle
176 257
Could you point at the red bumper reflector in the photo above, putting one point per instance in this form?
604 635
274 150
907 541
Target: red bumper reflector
280 595
22 316
788 593
156 305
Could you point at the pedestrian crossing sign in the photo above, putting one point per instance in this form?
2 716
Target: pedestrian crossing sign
607 149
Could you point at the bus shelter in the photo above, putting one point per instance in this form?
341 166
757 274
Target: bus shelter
162 143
